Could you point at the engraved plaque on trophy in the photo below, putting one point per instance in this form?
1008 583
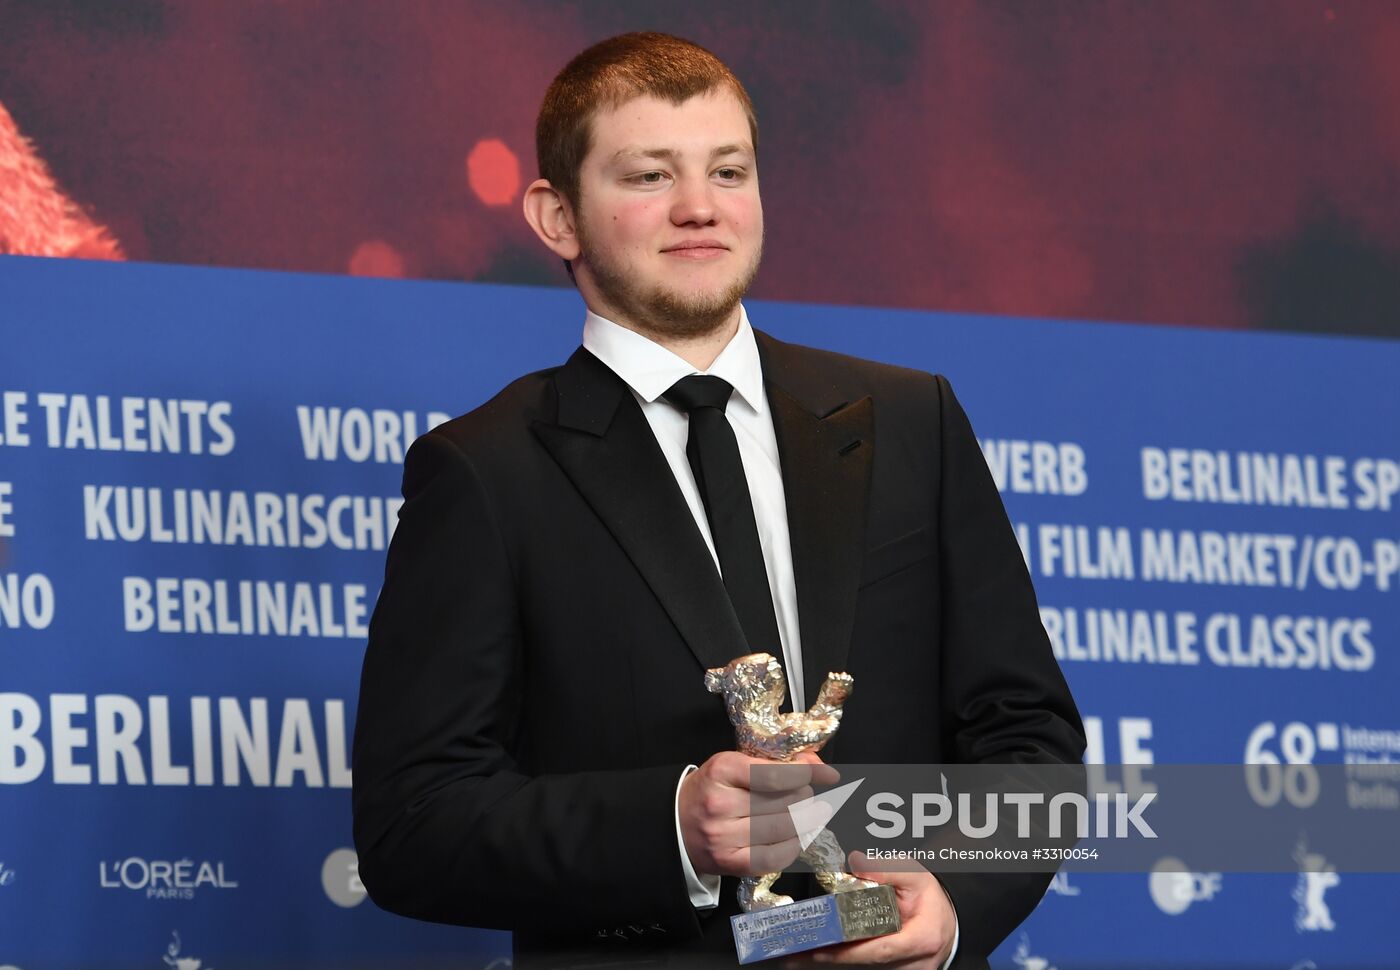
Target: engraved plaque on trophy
774 925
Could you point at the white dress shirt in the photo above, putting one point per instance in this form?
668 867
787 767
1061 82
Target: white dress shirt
649 370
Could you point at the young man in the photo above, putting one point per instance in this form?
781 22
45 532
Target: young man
573 555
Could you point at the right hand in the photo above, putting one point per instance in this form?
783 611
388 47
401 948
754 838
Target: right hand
734 820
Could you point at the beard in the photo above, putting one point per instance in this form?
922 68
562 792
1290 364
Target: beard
662 310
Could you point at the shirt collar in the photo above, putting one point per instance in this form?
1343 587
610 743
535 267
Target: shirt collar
650 369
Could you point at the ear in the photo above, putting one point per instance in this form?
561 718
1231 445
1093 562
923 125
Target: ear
552 218
714 680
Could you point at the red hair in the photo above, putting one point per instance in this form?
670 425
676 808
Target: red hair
611 73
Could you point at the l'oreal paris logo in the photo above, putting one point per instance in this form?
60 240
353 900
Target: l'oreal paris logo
162 878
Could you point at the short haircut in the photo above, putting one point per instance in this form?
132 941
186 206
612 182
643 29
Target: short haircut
611 73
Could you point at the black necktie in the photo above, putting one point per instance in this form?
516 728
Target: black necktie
714 458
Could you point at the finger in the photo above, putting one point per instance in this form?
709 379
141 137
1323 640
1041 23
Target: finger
759 774
732 768
771 829
714 801
778 803
735 849
822 773
737 858
806 770
775 776
775 857
756 860
733 863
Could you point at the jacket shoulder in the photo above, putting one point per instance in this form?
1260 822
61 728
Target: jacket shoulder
825 375
502 421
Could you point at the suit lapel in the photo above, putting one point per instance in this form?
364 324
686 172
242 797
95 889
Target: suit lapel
826 446
604 445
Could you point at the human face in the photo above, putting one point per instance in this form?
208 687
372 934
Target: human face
669 222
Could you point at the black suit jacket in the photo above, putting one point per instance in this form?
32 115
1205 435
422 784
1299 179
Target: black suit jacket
533 685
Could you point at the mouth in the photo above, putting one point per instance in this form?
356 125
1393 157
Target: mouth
697 249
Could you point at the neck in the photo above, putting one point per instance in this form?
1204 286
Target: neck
697 350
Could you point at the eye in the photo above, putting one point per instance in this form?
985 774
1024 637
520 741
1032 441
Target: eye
730 174
647 178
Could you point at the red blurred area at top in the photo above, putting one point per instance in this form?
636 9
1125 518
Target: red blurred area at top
1103 161
493 172
36 217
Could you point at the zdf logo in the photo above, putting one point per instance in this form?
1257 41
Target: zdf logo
1174 887
340 878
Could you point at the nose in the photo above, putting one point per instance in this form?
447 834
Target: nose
694 203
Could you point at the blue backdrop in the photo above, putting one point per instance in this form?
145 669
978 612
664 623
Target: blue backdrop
198 475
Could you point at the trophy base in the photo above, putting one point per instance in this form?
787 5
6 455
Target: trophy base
811 923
